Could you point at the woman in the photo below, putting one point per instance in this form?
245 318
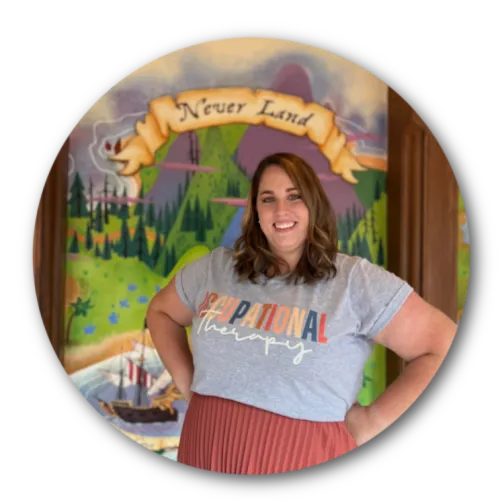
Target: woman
282 327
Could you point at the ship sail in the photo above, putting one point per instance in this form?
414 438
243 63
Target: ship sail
114 378
133 374
119 379
139 347
161 382
138 375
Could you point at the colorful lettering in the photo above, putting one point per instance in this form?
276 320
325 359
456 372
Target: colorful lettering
303 324
251 316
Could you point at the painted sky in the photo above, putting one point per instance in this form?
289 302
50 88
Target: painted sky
352 92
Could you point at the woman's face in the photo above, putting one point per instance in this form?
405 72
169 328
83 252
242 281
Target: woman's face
283 215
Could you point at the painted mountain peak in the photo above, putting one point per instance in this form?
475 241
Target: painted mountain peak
181 151
293 79
260 141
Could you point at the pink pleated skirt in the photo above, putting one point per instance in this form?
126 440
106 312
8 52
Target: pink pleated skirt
225 436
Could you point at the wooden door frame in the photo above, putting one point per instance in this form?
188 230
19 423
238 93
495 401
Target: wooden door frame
49 251
422 226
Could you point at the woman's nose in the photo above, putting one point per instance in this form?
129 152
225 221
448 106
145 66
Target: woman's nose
281 206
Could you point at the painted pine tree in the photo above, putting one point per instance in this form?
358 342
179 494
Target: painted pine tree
187 218
106 254
123 208
364 248
74 246
89 240
381 254
98 218
125 244
91 202
140 242
209 223
201 233
77 201
159 222
106 204
150 215
155 251
139 206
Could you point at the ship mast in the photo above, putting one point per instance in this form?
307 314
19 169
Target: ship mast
138 398
121 392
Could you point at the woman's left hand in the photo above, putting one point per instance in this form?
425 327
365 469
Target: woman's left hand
359 424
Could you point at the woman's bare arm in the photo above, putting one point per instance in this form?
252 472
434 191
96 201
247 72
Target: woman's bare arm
421 335
167 319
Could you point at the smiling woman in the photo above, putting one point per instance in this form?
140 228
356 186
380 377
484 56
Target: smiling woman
296 233
289 315
286 305
283 215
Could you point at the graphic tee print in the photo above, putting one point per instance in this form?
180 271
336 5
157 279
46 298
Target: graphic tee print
298 351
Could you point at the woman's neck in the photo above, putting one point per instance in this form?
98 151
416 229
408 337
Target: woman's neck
292 260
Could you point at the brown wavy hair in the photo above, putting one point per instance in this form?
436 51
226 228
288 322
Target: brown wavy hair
252 254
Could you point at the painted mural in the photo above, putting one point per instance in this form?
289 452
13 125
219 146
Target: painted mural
160 169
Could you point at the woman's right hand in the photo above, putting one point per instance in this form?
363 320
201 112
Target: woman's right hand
167 319
185 390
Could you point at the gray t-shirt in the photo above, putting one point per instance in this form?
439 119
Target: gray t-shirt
295 350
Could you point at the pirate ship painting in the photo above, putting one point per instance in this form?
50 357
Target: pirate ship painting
135 393
145 407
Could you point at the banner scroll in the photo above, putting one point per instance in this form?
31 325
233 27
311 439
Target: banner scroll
196 109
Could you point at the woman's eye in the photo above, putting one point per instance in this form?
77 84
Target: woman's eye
270 199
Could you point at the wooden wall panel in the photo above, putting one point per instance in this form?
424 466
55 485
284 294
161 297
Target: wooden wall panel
49 250
422 195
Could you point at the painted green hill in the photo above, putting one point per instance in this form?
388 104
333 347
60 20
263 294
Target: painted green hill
202 188
119 291
372 229
231 135
364 188
149 175
374 377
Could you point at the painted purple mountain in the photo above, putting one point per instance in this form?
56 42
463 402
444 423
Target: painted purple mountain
260 141
165 187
